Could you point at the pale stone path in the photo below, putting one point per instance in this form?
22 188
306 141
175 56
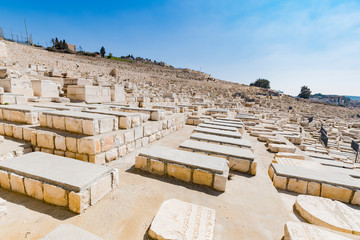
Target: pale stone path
251 207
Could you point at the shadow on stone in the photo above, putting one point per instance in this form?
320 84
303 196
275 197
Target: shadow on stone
171 180
57 212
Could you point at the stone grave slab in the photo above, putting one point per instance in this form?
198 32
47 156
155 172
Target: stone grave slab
58 180
70 232
185 166
221 140
21 113
281 148
218 132
328 213
178 220
64 172
79 122
224 128
241 159
304 231
126 120
336 179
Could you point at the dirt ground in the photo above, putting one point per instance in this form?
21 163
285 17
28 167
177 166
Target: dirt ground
251 208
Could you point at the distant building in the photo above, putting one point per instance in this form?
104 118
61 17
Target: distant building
72 47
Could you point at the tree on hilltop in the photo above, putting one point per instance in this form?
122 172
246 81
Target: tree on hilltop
305 92
263 83
102 52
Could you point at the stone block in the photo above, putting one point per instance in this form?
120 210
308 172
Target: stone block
4 179
34 188
59 122
90 127
27 134
60 143
122 151
314 188
253 168
220 182
34 138
99 189
129 136
125 123
70 154
179 172
73 125
356 198
82 157
107 143
335 192
141 162
17 132
17 183
202 177
280 182
78 202
240 165
297 185
2 130
71 144
157 167
139 132
8 130
46 140
88 146
55 195
111 155
108 125
97 158
49 121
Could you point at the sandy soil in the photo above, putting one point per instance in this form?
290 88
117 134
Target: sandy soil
251 208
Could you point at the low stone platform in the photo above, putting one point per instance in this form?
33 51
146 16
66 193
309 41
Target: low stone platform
58 180
227 141
21 113
79 122
328 213
178 220
70 232
218 127
174 109
327 184
12 98
240 127
304 231
126 120
290 155
213 111
193 107
155 114
240 159
281 148
185 166
218 132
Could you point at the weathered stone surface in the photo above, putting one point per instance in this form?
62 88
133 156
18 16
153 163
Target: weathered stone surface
55 195
328 213
34 188
70 232
178 220
65 172
304 231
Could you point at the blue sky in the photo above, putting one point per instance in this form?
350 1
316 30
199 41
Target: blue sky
291 43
